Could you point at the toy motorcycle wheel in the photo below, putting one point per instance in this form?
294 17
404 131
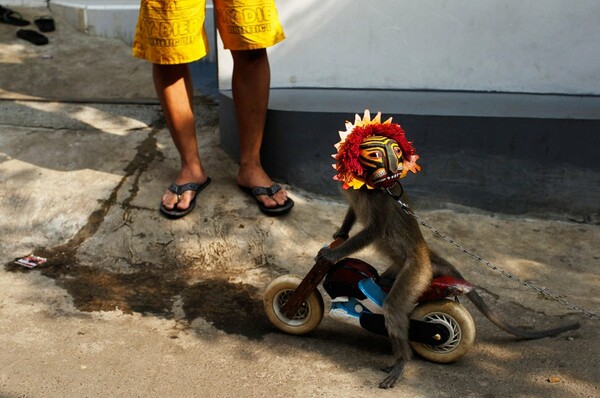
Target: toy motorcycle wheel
459 323
308 316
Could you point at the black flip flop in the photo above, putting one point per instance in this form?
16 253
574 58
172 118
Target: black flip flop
12 17
178 190
32 36
272 190
45 23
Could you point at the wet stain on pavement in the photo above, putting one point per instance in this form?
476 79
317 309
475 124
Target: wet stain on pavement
150 289
231 307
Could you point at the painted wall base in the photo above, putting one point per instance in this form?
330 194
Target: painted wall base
511 153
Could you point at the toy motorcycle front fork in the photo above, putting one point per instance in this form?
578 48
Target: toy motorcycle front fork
308 285
441 329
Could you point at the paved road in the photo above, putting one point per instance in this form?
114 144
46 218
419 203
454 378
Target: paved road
132 304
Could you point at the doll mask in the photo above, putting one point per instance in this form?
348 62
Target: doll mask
373 154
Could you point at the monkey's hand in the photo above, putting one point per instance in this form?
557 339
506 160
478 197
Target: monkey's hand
326 255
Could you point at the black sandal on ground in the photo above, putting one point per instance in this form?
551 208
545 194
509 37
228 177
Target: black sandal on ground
11 17
45 23
32 36
278 210
178 190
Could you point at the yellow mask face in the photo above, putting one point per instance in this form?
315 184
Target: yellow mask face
381 158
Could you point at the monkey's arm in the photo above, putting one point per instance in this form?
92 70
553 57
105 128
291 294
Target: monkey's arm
359 241
349 220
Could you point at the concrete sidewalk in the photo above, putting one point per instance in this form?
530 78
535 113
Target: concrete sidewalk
132 304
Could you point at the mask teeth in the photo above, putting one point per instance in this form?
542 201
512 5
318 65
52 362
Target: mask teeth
394 176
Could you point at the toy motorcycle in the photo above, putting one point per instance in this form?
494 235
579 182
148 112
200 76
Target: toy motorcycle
441 329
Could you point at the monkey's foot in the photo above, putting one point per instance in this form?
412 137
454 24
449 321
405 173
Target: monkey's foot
395 372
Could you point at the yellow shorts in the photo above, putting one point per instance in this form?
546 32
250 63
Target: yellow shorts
172 31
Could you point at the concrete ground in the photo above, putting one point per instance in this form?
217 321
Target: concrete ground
133 304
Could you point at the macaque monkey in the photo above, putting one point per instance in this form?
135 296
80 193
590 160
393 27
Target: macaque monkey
385 156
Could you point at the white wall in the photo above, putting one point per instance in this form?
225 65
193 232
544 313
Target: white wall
24 3
538 46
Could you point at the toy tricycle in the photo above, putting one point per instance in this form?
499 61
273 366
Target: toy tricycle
441 329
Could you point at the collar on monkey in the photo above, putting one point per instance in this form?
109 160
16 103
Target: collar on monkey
373 154
396 191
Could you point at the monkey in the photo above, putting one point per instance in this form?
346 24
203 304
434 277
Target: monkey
396 235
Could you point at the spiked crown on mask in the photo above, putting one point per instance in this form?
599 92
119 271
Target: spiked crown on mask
349 169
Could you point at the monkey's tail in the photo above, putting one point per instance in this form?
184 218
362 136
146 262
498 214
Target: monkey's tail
477 300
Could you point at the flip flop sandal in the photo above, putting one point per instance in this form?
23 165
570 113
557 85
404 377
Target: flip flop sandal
270 191
12 17
45 23
179 190
32 36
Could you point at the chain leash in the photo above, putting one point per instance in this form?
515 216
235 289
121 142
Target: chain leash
543 291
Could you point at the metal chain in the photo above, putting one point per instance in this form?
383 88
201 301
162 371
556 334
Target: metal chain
543 291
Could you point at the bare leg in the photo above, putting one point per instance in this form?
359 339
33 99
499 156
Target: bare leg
250 84
174 88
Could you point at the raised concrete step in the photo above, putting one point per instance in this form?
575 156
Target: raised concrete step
514 153
106 18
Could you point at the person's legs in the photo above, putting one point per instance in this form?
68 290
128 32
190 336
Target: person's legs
173 84
250 85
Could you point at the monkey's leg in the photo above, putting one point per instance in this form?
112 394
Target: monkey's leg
410 283
395 310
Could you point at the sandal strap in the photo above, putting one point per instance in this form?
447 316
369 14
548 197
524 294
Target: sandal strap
179 189
272 190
